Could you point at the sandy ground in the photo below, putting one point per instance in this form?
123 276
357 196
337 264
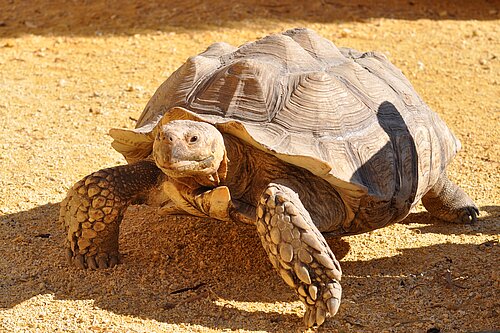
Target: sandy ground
70 70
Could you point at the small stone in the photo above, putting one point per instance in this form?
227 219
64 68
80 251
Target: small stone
30 24
286 252
87 225
302 273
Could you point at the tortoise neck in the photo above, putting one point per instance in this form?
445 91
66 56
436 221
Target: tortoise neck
250 170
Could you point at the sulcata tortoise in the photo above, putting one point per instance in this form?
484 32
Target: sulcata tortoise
289 133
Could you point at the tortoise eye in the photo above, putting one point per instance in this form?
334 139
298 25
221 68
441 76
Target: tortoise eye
193 139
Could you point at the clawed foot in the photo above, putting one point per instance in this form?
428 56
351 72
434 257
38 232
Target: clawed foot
85 261
467 215
299 253
448 202
91 215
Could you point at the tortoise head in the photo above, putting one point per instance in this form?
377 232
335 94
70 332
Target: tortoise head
190 151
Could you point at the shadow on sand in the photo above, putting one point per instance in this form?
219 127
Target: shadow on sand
70 18
165 258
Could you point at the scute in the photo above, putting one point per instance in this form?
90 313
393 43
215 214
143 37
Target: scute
349 117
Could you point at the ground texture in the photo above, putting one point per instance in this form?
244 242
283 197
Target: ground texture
70 70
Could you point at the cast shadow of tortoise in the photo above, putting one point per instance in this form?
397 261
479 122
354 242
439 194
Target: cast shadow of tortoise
101 17
176 270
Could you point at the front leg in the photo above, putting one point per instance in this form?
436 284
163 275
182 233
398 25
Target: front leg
94 208
299 253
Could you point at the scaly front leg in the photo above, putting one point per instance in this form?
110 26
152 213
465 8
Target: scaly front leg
94 208
299 253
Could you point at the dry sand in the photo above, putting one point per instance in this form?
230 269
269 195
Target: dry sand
70 70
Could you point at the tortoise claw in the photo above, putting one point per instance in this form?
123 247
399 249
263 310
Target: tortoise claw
100 261
469 215
79 260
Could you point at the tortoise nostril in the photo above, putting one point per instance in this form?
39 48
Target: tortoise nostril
170 138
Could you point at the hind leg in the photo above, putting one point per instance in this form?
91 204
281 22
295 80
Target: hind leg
447 201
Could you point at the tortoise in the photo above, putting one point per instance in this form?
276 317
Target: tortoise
289 133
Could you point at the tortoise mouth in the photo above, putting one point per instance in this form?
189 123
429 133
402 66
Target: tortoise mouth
200 165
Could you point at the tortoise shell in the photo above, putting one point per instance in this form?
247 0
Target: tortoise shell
351 118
